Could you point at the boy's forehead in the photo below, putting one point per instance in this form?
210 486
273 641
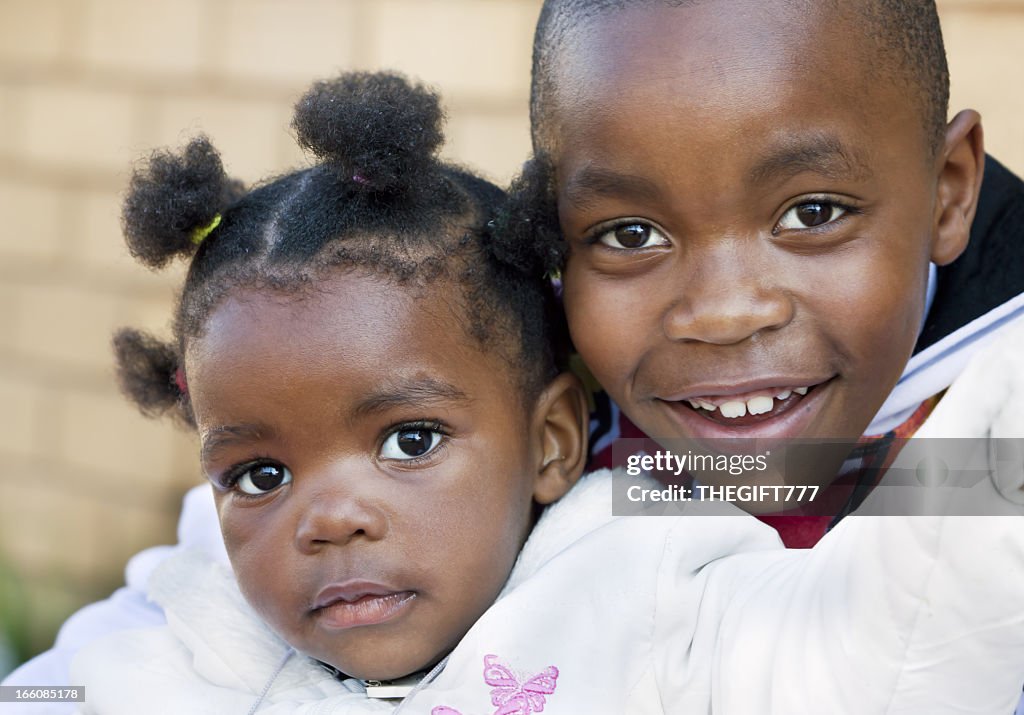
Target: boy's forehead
708 42
727 68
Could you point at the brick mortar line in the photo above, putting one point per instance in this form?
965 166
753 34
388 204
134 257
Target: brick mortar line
148 84
92 485
165 502
91 277
40 373
68 177
204 86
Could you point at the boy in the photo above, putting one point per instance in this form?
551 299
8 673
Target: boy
750 196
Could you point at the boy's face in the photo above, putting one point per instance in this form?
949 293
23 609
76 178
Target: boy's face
371 468
750 212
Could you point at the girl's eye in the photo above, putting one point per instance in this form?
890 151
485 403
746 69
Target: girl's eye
263 478
633 236
810 215
410 442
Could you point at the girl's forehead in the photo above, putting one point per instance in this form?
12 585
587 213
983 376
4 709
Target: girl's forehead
344 311
353 329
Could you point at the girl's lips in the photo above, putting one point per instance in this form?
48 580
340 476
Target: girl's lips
347 607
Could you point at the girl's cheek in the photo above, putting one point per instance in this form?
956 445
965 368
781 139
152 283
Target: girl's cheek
238 532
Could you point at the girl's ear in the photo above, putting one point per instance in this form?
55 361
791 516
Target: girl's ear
559 427
961 166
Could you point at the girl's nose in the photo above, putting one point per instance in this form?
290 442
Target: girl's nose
337 515
726 299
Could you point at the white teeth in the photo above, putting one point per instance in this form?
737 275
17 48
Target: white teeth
702 405
760 405
733 408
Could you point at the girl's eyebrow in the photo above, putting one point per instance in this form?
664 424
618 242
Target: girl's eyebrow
592 182
217 438
414 392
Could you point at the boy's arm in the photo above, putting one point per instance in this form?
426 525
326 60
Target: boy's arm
916 614
886 614
904 613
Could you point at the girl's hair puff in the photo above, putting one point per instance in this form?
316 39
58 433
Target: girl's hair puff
378 200
526 228
172 198
390 131
148 372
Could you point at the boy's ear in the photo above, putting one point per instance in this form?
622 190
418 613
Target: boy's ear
559 426
961 166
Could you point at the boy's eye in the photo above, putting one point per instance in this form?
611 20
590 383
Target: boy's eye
632 236
410 442
810 215
263 478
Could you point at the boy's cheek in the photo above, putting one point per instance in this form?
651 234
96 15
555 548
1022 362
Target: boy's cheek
608 325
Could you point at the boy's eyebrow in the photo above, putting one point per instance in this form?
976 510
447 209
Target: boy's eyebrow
821 152
413 392
592 182
217 438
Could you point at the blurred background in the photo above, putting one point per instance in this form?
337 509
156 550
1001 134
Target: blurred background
88 86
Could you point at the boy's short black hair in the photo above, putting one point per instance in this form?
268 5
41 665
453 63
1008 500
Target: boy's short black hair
906 38
378 200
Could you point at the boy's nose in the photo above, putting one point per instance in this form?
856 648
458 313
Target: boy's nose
336 515
725 300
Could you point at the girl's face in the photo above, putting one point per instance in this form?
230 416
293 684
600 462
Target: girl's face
372 467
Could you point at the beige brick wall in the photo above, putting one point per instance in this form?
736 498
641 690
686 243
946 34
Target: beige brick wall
86 86
985 43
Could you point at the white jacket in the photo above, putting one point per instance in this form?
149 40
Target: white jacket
603 614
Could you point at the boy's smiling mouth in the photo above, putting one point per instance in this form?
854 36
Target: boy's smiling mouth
775 408
747 408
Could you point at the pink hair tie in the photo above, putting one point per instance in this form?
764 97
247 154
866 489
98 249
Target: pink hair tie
179 380
360 179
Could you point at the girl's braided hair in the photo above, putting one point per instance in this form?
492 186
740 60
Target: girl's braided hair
378 199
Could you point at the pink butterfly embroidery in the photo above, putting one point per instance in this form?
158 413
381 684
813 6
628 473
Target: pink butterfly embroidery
511 696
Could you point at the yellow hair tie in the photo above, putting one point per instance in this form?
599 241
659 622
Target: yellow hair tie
200 234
